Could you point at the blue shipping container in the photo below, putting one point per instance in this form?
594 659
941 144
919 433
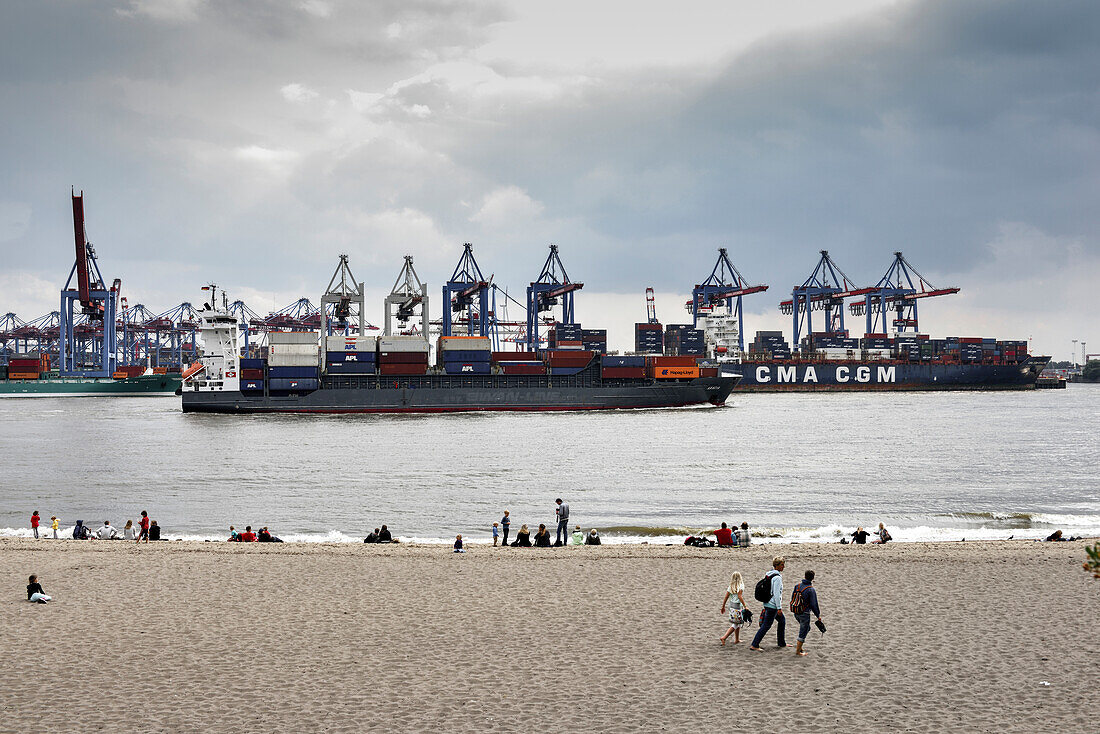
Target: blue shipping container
351 368
467 368
252 385
565 370
292 372
252 364
623 361
351 357
300 384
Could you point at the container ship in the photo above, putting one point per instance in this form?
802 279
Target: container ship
393 374
30 376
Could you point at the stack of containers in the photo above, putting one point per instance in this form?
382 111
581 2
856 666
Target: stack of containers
567 362
402 355
464 355
672 338
649 338
28 366
252 376
672 368
565 336
907 346
770 345
989 349
970 349
622 367
594 340
1013 352
693 342
292 361
519 363
351 355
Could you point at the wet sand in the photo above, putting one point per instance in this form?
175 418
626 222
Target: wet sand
946 637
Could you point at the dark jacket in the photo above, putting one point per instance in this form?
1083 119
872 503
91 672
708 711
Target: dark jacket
809 597
543 540
523 540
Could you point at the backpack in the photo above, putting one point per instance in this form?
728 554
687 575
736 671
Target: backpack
798 604
763 591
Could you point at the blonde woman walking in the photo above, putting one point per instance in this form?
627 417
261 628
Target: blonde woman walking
735 595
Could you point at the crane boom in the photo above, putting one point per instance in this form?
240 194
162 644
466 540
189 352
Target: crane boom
82 277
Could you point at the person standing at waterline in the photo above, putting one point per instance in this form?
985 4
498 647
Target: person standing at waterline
562 511
773 608
35 519
505 523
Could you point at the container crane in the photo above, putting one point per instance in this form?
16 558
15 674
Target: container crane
551 287
825 290
459 294
408 300
651 306
9 327
97 302
724 284
898 293
343 292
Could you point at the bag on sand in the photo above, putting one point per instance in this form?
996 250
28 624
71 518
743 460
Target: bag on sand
763 591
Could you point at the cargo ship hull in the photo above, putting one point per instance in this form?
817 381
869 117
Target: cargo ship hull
440 394
791 376
84 387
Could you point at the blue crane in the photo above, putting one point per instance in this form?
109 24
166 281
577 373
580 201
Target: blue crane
898 293
551 287
825 290
97 302
466 294
724 284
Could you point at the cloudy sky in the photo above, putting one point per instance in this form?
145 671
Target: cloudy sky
251 142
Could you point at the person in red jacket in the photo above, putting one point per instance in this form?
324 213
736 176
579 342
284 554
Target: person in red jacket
144 527
34 523
724 536
248 536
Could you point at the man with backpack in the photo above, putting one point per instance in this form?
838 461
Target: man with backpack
804 601
769 591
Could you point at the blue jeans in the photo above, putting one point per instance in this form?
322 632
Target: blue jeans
803 625
506 529
563 531
767 616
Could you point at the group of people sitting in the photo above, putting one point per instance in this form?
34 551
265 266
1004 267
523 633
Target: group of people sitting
107 531
859 537
380 535
263 536
724 537
542 537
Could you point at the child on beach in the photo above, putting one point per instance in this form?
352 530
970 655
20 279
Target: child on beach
578 536
735 596
496 533
34 591
34 523
55 523
458 544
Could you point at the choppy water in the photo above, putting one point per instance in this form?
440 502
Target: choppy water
795 466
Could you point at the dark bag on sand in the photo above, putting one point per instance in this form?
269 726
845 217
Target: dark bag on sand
763 591
698 542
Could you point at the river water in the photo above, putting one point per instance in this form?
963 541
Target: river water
796 467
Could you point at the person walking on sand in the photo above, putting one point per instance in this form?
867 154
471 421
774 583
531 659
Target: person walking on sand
34 523
55 524
144 527
804 601
773 608
35 592
735 595
562 511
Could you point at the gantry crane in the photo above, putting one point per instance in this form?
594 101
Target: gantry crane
467 294
651 306
544 293
724 284
407 300
896 292
825 290
343 292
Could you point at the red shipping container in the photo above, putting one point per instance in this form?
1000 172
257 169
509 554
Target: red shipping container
569 358
515 357
631 372
403 358
672 361
523 369
35 363
708 371
402 368
252 374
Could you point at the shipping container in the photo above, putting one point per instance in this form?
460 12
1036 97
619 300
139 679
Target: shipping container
296 371
464 343
252 364
662 372
672 361
288 338
402 344
465 355
635 361
403 358
351 343
292 384
515 368
252 374
22 375
403 368
369 357
565 371
252 385
351 368
622 372
514 356
467 368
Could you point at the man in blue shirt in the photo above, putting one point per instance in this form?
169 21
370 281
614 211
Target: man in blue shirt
773 608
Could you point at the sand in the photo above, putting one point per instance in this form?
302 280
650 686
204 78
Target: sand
220 637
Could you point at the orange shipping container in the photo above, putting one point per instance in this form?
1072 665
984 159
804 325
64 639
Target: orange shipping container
675 373
22 375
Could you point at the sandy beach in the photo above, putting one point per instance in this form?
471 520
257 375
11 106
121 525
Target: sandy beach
977 636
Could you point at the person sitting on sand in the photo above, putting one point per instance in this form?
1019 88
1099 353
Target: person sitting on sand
384 535
860 536
128 531
234 536
593 538
735 595
578 536
883 535
724 536
154 530
372 537
1055 537
106 532
542 537
458 544
35 592
247 536
744 539
79 531
523 537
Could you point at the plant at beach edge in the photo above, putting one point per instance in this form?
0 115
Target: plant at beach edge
1092 565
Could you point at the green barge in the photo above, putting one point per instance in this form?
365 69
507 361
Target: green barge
54 386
